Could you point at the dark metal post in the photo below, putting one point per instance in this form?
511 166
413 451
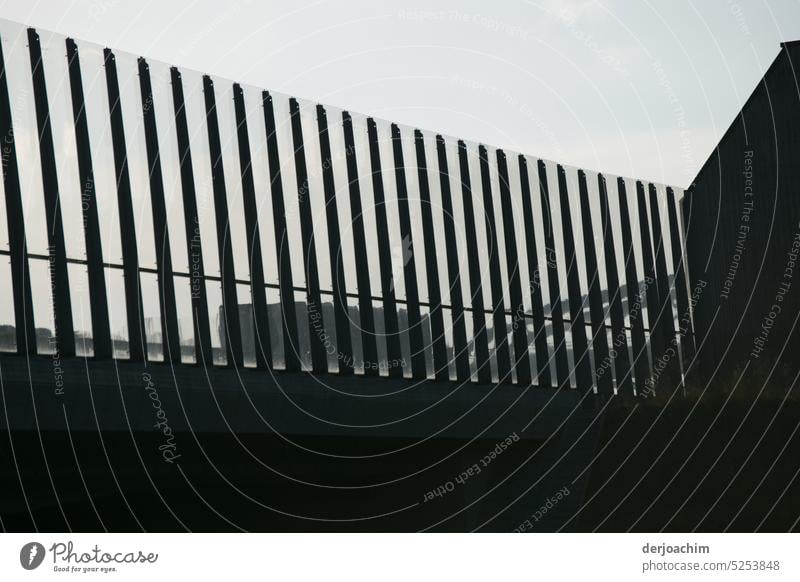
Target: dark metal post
257 283
535 281
556 310
415 336
98 297
580 353
519 324
369 345
169 310
479 333
316 323
431 267
641 360
666 316
619 344
194 246
344 345
651 290
501 346
461 354
62 306
130 255
391 326
291 341
230 303
602 361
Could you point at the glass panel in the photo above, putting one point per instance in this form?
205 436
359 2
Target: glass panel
152 316
237 231
283 135
258 153
355 334
99 125
368 202
23 114
4 244
118 322
339 164
201 166
447 315
131 103
56 75
427 339
247 325
414 209
275 327
328 334
473 365
380 332
183 303
405 343
216 322
8 330
81 309
303 350
316 195
164 109
43 316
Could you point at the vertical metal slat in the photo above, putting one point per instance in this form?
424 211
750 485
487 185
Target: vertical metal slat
596 312
391 325
291 341
431 267
461 355
169 310
194 244
130 254
316 323
519 325
369 345
501 346
98 297
580 353
556 309
537 303
62 305
344 344
258 293
480 336
619 343
415 336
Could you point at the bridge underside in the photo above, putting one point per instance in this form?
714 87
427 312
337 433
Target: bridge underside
130 446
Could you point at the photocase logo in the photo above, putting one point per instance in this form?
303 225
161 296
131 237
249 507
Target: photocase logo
31 555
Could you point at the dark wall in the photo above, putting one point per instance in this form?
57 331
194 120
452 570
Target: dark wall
742 217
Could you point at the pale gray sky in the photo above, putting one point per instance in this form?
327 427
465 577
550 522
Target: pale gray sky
631 87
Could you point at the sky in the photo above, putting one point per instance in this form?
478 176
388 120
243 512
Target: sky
634 88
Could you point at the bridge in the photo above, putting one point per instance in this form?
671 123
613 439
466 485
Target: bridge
224 307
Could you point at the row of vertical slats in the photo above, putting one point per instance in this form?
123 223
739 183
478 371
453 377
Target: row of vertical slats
512 359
